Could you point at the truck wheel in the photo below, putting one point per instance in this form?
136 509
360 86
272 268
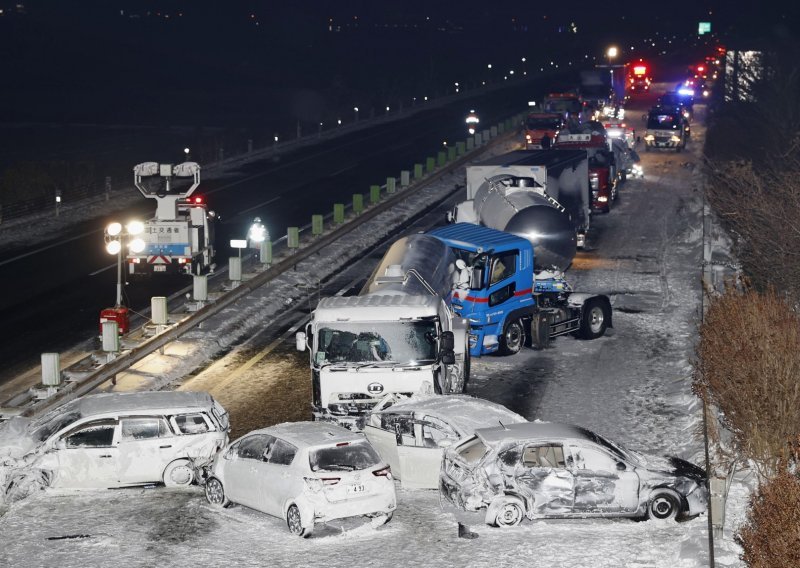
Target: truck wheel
594 319
540 332
513 337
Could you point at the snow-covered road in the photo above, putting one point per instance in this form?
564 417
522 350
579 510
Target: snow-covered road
633 385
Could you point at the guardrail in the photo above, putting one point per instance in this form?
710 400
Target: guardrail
380 198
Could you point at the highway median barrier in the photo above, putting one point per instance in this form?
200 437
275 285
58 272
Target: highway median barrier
374 194
405 178
461 147
358 203
417 171
391 185
471 143
451 153
441 158
430 165
338 213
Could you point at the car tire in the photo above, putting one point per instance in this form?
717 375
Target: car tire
594 319
215 493
513 337
664 504
23 485
179 473
509 513
380 519
295 524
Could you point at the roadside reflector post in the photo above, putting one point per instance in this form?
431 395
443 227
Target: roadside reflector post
417 171
493 132
405 178
358 203
719 491
111 343
430 164
500 128
441 158
158 310
265 253
317 225
51 369
200 287
451 153
235 270
374 194
461 147
471 143
338 213
391 185
293 237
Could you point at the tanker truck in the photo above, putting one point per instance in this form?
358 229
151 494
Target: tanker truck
541 195
397 336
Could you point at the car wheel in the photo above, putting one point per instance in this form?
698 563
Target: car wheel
509 514
513 338
594 319
664 504
179 473
380 519
24 485
295 524
215 493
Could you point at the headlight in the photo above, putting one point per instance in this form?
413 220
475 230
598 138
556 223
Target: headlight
675 138
649 137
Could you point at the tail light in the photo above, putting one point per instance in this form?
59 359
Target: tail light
317 484
383 472
594 181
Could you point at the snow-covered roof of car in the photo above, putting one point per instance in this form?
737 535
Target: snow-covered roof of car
532 430
304 434
103 403
463 412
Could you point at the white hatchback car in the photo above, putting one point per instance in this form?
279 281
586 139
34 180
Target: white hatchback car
304 472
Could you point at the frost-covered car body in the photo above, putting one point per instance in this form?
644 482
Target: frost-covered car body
411 434
543 469
113 440
304 472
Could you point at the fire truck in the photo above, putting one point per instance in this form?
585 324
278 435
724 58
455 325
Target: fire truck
639 77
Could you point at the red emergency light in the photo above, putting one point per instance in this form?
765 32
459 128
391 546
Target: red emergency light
198 199
640 70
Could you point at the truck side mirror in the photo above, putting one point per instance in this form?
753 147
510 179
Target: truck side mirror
448 357
300 340
447 341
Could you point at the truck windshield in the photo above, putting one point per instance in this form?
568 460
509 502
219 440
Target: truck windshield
561 106
396 342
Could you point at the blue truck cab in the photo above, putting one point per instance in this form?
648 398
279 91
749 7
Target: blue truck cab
507 304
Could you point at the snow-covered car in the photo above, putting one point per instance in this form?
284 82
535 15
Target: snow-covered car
304 472
411 434
544 469
112 440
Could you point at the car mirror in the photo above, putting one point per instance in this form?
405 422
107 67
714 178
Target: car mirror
621 466
300 341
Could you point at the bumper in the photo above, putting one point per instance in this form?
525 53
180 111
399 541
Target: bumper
697 501
318 508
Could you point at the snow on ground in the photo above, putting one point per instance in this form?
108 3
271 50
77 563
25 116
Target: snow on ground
632 386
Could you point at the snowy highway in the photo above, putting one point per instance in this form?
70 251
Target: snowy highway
633 385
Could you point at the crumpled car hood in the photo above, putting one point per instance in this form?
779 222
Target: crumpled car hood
671 466
15 438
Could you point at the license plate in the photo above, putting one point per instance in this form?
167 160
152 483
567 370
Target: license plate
160 268
356 489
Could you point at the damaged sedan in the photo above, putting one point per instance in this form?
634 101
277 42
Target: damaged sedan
412 433
543 469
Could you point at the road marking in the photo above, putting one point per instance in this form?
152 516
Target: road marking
42 249
96 272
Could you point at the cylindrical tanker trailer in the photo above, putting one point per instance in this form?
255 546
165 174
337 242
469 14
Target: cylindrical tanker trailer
541 195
